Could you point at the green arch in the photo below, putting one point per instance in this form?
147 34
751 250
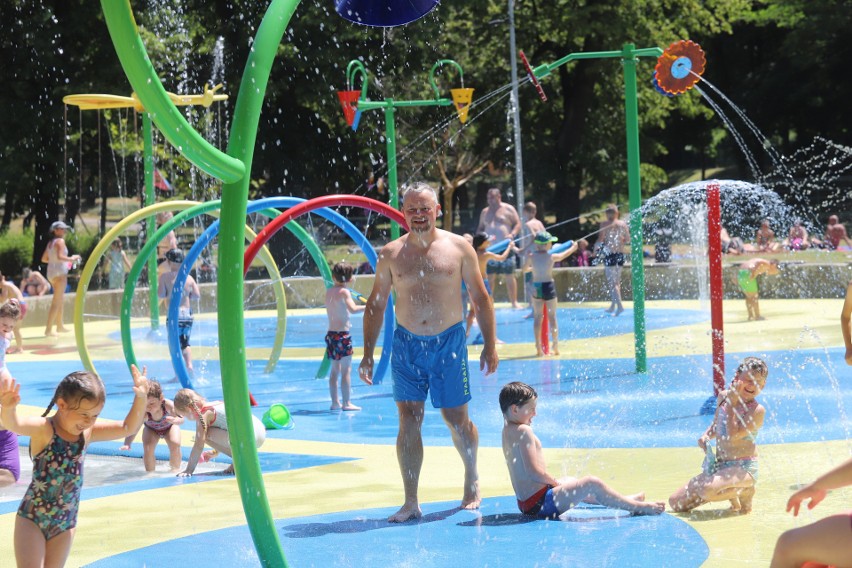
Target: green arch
112 234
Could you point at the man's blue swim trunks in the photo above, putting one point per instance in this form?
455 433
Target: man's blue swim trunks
431 364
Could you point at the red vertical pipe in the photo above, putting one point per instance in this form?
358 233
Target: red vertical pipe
714 242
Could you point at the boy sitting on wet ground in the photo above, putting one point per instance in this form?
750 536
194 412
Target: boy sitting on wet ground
540 264
539 493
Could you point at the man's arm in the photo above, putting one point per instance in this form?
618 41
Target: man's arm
516 222
483 308
374 312
481 226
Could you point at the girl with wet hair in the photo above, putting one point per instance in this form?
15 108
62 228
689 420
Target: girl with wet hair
47 517
211 428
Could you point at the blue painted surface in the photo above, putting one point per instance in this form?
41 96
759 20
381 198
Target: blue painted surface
493 536
512 327
269 462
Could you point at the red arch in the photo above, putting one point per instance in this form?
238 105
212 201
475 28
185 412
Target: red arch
316 203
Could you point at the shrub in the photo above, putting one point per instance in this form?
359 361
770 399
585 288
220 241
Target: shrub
16 250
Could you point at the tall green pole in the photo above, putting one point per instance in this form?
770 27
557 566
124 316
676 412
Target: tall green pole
150 222
241 144
393 183
634 191
389 105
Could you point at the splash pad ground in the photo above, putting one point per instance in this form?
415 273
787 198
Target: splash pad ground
333 479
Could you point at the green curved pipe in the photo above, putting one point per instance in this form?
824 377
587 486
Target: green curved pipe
230 284
148 87
115 232
241 144
150 248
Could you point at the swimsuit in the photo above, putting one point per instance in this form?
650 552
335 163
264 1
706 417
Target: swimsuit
747 284
338 344
749 464
431 364
56 267
185 320
160 427
540 504
501 266
614 259
544 291
53 497
220 420
9 458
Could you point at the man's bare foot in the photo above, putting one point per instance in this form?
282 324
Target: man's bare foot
351 406
335 407
610 309
539 353
471 498
618 311
760 318
63 330
13 350
655 508
517 306
746 496
555 352
228 470
406 513
48 333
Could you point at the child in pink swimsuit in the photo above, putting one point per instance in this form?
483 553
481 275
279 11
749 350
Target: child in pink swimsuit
161 423
48 511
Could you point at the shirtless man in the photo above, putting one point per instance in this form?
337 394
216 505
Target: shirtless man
529 230
425 268
500 221
614 235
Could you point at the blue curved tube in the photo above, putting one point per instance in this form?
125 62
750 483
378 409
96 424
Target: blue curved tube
213 230
499 246
561 247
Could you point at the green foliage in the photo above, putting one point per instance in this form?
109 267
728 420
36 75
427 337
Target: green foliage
16 250
785 65
82 243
